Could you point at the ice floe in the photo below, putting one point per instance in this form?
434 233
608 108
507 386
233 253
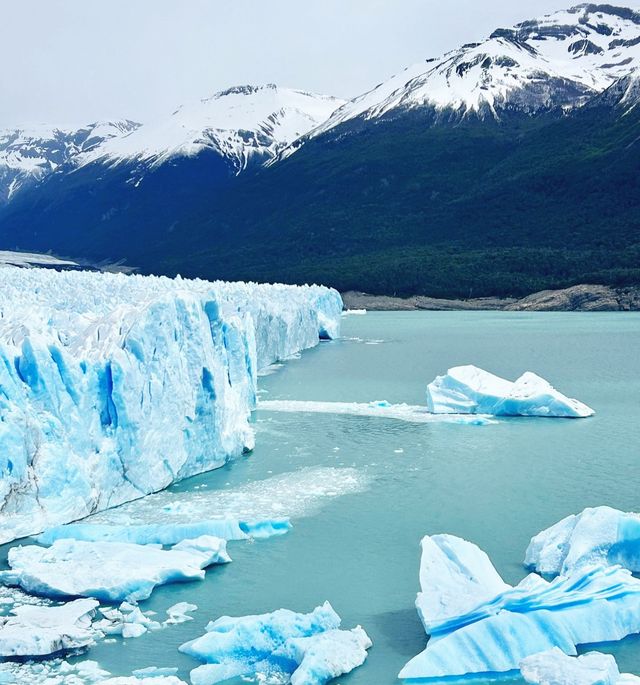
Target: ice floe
597 535
554 667
308 649
44 630
116 386
109 571
470 390
52 672
491 627
166 534
379 409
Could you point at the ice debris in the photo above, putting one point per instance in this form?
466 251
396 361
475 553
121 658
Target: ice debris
116 386
470 390
600 535
490 627
109 571
554 667
308 649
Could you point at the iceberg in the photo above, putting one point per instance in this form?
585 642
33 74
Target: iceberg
599 535
128 621
144 680
554 667
115 386
109 571
491 627
470 390
166 534
307 649
36 631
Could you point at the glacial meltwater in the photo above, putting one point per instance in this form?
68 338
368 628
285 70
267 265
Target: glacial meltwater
361 491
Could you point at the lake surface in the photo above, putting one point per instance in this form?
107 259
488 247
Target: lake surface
362 491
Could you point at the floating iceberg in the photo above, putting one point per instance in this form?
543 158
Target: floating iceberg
470 390
596 536
166 534
179 613
115 386
490 627
554 667
109 571
380 409
52 672
308 649
35 631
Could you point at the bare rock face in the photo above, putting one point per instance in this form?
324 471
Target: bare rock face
580 298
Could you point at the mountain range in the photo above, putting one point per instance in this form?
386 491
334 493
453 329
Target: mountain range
503 167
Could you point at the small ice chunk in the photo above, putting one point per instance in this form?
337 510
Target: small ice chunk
178 613
109 571
554 667
470 390
600 535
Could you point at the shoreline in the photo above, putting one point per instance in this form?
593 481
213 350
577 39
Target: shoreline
577 298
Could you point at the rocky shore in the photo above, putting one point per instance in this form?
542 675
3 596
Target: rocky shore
578 298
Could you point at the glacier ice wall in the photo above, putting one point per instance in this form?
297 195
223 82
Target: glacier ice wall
114 386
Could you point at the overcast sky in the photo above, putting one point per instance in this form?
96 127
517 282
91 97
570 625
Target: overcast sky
76 61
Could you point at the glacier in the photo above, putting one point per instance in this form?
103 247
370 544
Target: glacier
470 390
114 386
109 571
306 649
489 627
554 667
36 631
599 535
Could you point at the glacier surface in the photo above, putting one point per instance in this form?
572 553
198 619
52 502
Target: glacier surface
599 535
490 627
554 667
470 390
306 649
115 386
109 571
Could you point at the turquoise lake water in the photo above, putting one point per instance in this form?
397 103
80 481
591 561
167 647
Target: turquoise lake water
362 491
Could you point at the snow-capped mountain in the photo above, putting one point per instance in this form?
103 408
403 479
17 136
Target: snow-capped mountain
560 60
244 125
29 154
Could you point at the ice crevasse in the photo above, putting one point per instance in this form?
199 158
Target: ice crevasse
115 386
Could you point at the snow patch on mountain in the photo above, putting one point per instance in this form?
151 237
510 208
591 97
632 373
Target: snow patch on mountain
245 124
